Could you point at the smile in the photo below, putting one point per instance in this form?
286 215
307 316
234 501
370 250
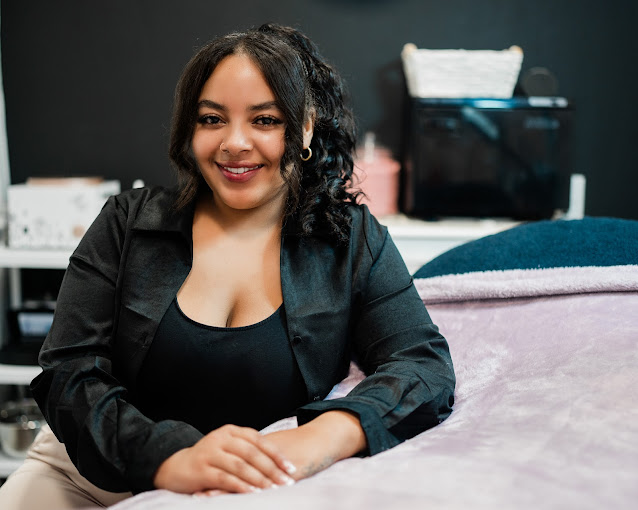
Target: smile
240 169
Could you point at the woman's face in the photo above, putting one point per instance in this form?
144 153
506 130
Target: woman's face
238 141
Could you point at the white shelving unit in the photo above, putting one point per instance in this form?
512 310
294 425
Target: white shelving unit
15 259
12 261
20 375
34 259
418 242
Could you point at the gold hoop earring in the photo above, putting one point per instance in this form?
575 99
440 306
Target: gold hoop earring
309 154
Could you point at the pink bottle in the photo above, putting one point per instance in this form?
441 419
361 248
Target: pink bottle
376 173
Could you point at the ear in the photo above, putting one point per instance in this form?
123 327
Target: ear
308 130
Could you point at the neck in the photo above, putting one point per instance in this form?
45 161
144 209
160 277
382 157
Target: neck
265 218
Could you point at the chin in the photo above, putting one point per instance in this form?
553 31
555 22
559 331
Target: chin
245 203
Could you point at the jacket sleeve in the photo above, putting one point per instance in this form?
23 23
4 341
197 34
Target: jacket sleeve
410 378
109 440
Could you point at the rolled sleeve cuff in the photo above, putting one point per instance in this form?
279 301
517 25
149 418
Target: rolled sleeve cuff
378 437
141 473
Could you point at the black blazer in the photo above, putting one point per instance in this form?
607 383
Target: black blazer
341 301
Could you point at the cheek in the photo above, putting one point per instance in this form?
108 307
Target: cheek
277 148
201 146
270 143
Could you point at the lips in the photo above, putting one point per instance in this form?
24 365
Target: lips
240 171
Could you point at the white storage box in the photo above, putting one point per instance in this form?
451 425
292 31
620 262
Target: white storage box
461 73
55 213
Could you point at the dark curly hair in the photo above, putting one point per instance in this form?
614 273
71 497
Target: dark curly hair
304 85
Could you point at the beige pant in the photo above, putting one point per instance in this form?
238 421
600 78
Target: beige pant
48 480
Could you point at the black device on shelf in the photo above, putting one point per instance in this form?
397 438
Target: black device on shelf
486 157
27 329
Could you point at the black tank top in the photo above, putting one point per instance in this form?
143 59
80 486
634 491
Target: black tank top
209 376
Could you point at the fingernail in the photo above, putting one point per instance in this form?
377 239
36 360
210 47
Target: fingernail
289 467
274 486
254 489
285 479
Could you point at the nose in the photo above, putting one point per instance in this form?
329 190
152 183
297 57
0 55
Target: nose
237 140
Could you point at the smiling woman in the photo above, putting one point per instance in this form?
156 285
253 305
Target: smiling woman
191 318
239 138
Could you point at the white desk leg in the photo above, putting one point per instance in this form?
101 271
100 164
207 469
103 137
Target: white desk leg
4 331
15 288
577 185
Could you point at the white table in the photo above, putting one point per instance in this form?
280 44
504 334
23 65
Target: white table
420 241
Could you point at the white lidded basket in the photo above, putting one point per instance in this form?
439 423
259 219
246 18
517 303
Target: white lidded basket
461 73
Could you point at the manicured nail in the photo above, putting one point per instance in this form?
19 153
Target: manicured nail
289 467
285 479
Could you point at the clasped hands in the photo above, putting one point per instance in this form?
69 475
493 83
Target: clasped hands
234 459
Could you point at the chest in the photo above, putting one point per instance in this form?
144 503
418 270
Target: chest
233 281
316 291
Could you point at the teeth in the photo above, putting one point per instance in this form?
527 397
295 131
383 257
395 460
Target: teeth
240 170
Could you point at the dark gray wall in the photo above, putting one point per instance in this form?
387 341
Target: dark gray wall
88 84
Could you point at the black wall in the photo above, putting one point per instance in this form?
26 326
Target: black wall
89 84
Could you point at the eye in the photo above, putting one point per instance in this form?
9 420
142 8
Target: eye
267 121
209 119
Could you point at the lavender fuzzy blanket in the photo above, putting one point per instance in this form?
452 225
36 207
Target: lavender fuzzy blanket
546 412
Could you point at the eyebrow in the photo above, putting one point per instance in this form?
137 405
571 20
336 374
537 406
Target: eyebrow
253 108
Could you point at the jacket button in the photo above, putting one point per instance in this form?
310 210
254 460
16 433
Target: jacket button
296 339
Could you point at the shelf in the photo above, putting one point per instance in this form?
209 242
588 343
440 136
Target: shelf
449 229
34 259
420 241
18 374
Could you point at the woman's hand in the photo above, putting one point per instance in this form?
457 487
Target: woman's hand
332 436
228 459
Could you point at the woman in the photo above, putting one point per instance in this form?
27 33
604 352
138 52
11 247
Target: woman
189 319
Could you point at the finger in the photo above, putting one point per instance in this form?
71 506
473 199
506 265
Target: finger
273 452
230 449
244 468
240 455
267 447
221 481
252 464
